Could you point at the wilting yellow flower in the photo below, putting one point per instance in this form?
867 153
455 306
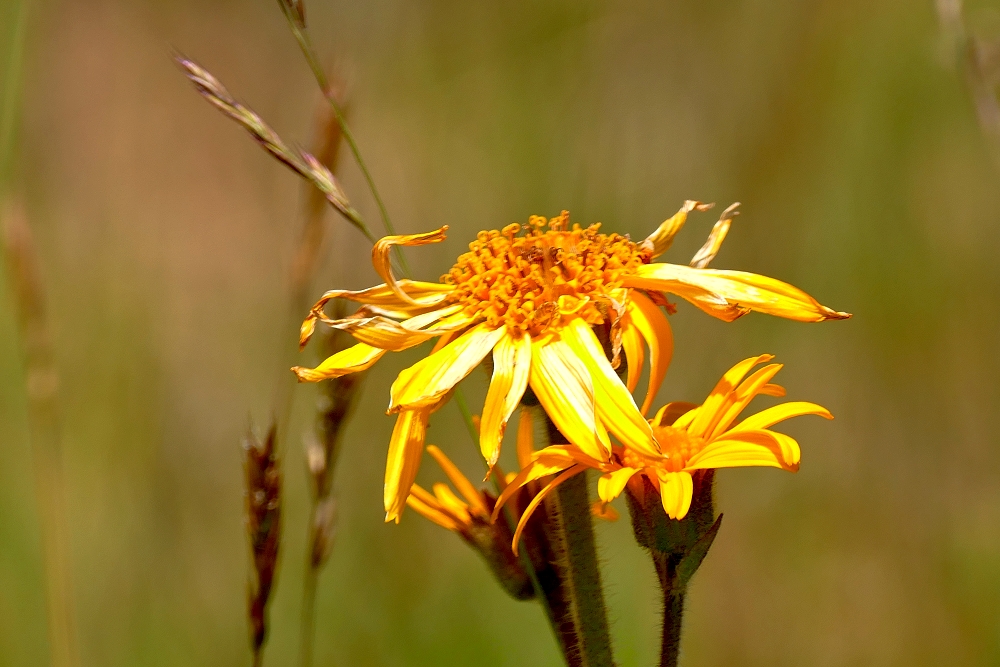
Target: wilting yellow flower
553 306
690 439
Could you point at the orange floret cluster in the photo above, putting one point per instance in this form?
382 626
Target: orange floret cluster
526 282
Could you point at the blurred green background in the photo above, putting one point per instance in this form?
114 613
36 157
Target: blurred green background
845 127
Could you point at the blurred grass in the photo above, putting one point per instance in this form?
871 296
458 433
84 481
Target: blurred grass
166 238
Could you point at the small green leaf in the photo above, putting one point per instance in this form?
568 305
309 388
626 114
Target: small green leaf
693 558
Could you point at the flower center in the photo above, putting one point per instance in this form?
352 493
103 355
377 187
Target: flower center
676 444
528 282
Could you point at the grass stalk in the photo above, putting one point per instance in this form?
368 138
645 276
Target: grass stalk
45 433
42 379
295 14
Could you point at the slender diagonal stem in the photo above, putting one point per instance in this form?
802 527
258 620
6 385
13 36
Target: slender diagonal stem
305 45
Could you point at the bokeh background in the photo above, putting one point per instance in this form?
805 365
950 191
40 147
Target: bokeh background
847 129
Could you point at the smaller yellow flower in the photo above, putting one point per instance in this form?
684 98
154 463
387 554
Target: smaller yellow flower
444 507
690 438
469 517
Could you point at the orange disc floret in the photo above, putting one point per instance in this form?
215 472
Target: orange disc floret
527 282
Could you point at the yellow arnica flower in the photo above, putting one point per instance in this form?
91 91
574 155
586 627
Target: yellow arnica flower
690 438
538 297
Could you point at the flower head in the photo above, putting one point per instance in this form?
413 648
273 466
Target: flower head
469 517
690 439
555 304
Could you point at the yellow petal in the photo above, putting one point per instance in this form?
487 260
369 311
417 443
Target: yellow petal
773 390
707 253
748 448
709 412
545 462
511 367
539 497
405 447
525 437
461 482
615 406
432 513
426 381
739 288
676 489
610 485
740 397
670 413
654 327
564 388
427 295
354 359
451 502
659 241
635 354
388 334
779 413
383 264
685 420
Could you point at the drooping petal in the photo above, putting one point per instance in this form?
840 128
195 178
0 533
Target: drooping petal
610 485
676 489
354 359
615 406
659 241
748 448
539 497
716 401
511 367
707 253
545 462
461 482
389 334
778 413
635 354
427 296
654 327
737 288
405 448
426 381
564 388
383 264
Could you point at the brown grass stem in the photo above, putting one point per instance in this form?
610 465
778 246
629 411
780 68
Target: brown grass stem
981 75
44 431
337 396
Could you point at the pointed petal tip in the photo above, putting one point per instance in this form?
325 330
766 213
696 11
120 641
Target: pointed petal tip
303 374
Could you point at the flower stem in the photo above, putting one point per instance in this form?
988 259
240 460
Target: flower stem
673 609
578 600
575 592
